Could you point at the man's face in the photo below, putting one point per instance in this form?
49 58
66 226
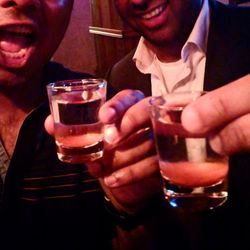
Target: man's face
160 21
30 32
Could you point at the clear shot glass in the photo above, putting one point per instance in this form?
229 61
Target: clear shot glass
74 106
194 176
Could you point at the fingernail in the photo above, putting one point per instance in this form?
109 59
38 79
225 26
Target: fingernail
110 114
111 134
191 120
216 144
111 181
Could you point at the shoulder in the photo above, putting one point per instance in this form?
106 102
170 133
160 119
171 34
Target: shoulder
231 23
123 68
231 14
125 75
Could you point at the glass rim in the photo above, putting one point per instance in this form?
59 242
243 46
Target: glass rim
161 99
78 83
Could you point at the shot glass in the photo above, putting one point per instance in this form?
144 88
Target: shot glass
194 176
74 106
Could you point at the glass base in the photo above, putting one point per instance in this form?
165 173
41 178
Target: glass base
196 199
80 155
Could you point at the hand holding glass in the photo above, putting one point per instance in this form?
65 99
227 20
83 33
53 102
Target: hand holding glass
74 106
194 176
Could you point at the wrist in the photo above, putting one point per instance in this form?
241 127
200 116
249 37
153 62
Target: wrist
128 219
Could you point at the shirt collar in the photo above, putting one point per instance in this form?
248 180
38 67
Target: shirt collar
144 57
199 34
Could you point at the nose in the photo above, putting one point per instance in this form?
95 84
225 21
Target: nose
20 3
137 1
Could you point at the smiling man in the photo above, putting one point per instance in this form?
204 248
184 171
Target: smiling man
199 45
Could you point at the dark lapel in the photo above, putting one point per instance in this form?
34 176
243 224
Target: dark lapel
228 52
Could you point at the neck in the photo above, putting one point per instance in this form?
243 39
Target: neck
17 100
167 53
21 95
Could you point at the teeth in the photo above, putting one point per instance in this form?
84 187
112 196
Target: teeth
17 55
19 29
153 13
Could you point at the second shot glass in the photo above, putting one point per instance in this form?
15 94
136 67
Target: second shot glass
194 176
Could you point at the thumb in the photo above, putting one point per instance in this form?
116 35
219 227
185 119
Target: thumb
49 125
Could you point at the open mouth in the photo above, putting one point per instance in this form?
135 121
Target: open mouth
155 12
15 42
